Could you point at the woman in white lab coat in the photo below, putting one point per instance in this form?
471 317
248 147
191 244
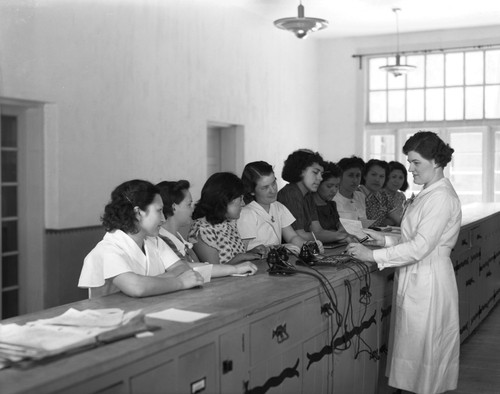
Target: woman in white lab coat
425 338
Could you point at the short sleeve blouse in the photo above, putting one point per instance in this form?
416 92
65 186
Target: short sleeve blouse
302 207
222 236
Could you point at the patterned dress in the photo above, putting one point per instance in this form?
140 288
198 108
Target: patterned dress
223 236
378 206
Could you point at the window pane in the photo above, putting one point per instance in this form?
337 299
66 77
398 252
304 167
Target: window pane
492 101
454 69
415 79
474 102
454 103
10 304
466 167
378 107
474 68
397 106
9 131
9 201
492 66
9 271
396 82
434 106
9 236
415 105
377 78
434 70
9 166
382 147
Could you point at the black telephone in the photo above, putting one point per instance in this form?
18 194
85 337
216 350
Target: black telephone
277 260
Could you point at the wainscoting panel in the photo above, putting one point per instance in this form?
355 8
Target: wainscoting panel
65 251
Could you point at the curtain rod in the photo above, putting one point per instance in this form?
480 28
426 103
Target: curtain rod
362 55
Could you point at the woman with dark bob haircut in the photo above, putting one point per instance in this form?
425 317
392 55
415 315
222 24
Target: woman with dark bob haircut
303 170
396 183
425 333
178 210
213 232
264 220
350 201
131 258
378 205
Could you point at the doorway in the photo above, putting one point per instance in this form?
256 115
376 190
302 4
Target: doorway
225 148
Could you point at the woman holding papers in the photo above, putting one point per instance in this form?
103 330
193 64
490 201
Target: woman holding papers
178 209
425 336
131 258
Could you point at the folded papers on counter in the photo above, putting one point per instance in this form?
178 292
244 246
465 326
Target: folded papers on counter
70 331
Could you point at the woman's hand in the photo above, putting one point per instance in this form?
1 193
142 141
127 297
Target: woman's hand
190 278
377 238
359 252
320 246
260 250
246 268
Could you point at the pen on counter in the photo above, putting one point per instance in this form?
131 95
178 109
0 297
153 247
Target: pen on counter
315 239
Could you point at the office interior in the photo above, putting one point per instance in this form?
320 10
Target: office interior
107 91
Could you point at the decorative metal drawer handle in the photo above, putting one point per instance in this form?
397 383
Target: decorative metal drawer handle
326 309
280 333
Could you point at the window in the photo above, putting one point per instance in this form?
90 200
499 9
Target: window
455 94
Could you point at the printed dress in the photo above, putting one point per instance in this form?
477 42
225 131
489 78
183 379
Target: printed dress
223 236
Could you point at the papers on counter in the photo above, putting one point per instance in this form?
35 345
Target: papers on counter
354 227
47 337
178 315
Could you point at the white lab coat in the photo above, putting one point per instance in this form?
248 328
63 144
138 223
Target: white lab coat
425 336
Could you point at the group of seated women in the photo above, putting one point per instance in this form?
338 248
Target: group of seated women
235 221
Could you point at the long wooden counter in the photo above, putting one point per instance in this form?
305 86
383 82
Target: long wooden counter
264 332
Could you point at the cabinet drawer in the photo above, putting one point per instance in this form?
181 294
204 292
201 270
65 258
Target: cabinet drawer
463 243
317 313
276 333
476 236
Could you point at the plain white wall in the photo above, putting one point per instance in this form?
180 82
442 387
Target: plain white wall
133 83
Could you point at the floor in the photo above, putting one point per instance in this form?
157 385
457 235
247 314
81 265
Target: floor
480 358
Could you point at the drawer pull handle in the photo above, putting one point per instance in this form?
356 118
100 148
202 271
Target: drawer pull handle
280 333
227 366
464 242
326 309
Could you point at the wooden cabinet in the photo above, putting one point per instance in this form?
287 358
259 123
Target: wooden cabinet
266 334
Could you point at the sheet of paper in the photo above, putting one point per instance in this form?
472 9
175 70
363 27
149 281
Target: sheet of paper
178 315
353 227
88 318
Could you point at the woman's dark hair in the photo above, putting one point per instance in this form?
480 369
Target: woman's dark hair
172 192
251 174
351 162
217 192
372 163
428 145
396 165
297 162
332 170
119 213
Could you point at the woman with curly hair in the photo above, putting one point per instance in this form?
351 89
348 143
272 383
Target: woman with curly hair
303 170
214 232
178 210
131 258
425 334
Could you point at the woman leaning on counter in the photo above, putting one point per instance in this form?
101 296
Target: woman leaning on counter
425 336
131 258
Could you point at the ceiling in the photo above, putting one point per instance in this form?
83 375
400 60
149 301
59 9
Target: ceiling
350 18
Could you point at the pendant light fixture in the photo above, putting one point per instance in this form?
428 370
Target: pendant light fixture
301 25
397 69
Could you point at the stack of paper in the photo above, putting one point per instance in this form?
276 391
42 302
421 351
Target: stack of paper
71 330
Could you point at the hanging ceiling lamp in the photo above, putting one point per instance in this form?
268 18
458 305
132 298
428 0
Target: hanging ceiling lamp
301 25
398 68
